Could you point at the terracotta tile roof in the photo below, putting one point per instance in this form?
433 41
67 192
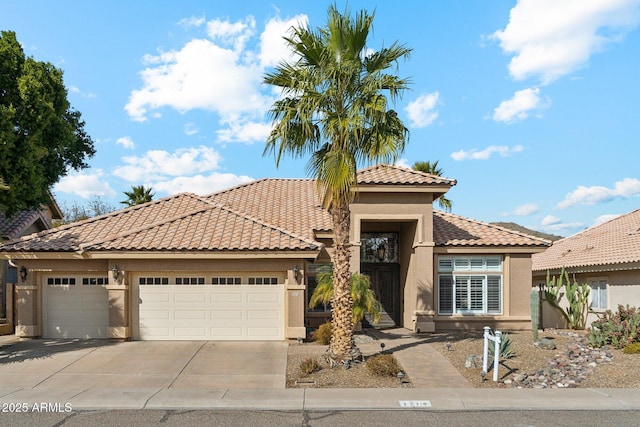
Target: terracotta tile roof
181 222
455 230
387 174
10 228
267 214
291 204
614 242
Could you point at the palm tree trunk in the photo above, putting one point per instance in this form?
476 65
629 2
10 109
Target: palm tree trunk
342 345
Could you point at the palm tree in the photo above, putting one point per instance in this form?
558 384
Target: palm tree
138 195
334 110
364 299
433 169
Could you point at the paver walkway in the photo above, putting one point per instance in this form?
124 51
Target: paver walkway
424 365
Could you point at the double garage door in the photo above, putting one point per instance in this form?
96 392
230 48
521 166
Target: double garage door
179 309
168 308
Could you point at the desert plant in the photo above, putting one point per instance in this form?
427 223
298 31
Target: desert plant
577 298
534 300
323 334
506 351
617 329
383 365
309 366
632 348
364 299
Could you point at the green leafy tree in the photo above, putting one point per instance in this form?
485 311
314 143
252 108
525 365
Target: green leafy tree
138 195
335 110
364 299
433 169
41 136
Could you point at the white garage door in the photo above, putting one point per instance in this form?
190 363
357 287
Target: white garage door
210 312
75 307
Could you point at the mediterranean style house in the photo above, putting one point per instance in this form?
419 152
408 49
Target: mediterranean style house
241 264
21 224
606 257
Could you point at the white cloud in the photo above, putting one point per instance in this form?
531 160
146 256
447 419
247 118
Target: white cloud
273 48
220 73
605 218
126 142
234 34
191 129
551 38
550 220
596 194
552 224
403 163
244 132
518 108
158 165
193 21
200 184
502 150
85 184
526 209
422 112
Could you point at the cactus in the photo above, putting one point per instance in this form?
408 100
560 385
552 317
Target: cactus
535 313
577 298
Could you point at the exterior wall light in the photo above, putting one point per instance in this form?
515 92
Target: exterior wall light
381 251
296 272
115 271
23 274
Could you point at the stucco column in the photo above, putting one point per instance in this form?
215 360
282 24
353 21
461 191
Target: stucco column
27 308
425 297
294 305
119 307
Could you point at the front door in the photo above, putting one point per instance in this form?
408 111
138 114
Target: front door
386 285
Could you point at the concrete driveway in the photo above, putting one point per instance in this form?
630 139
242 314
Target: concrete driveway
44 363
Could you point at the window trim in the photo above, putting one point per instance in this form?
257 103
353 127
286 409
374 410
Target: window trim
603 286
460 272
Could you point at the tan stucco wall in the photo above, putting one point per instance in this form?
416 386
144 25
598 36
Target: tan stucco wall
623 289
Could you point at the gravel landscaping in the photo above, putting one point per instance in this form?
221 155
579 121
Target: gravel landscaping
571 364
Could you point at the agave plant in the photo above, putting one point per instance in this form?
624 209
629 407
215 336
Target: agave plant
364 299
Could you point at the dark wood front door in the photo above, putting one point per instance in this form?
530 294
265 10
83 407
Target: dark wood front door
386 285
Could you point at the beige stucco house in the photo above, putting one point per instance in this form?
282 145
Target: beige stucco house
241 264
20 224
606 257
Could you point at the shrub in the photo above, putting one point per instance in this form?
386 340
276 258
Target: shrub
309 366
506 352
323 334
617 329
633 348
383 365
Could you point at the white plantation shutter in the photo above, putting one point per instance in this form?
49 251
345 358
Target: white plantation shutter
470 293
445 291
494 294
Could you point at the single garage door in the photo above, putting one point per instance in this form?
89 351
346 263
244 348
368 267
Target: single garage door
181 309
75 307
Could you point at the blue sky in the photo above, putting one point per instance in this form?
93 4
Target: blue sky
531 105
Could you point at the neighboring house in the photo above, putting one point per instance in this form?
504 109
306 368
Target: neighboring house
20 224
606 257
241 264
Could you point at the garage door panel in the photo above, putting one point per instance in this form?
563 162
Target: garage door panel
190 297
238 312
263 315
155 314
226 314
226 297
75 311
190 315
